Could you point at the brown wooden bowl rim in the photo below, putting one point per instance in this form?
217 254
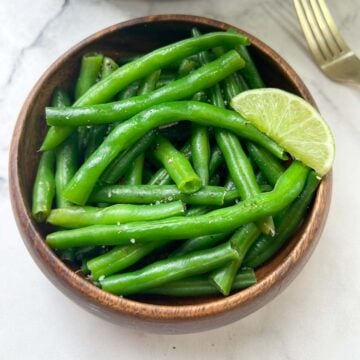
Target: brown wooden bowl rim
47 259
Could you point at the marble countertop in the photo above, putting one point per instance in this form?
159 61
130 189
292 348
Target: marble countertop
316 317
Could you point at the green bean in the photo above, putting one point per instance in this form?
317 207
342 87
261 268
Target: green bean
200 145
200 96
66 155
241 241
201 286
60 98
44 187
177 166
250 72
229 184
285 191
287 222
129 91
79 216
148 194
216 159
198 210
266 162
200 243
135 172
139 68
165 79
108 67
120 165
233 86
200 151
97 133
149 83
119 258
89 73
186 67
82 184
162 177
165 271
66 166
185 87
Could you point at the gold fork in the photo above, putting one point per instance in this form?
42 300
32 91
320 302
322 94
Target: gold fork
328 47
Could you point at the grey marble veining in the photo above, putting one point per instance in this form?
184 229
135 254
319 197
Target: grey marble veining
317 317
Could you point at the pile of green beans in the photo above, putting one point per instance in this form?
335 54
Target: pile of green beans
151 185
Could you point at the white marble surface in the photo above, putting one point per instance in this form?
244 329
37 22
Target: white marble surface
317 317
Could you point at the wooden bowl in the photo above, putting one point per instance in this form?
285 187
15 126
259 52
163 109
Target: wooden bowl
155 314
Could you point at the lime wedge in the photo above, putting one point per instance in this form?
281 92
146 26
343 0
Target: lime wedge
292 122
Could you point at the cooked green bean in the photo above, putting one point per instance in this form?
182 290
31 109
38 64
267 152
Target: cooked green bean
89 73
186 67
285 191
134 175
270 166
66 155
95 137
233 86
44 187
177 166
60 98
200 96
287 222
139 68
249 71
79 216
216 159
241 241
165 271
108 67
201 286
199 79
82 184
162 177
200 151
120 165
119 258
198 210
200 243
148 194
149 83
97 133
66 166
165 79
129 91
200 145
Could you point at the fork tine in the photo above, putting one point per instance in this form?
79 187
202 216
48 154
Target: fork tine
331 24
316 30
313 45
324 28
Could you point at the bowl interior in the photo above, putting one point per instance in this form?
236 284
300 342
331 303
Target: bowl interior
117 42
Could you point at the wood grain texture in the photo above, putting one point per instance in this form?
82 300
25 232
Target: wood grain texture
155 314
